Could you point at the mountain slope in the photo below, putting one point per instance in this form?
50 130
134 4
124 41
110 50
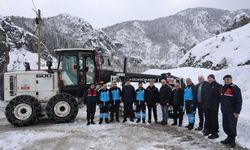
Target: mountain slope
163 41
228 49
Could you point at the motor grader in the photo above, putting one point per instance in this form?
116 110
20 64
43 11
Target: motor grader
56 93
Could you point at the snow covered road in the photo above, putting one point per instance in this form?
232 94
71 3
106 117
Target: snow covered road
74 136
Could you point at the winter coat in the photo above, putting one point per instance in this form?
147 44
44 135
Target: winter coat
140 95
204 92
231 99
177 97
213 94
116 94
152 95
165 95
128 94
91 96
189 93
104 97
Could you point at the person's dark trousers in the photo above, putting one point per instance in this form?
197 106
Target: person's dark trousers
201 114
229 123
114 110
178 114
164 109
214 121
140 111
104 113
91 108
150 107
128 111
208 120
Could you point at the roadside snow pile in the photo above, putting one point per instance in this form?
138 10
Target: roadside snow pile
241 78
229 49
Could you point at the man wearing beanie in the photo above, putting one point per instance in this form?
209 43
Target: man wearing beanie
231 103
213 107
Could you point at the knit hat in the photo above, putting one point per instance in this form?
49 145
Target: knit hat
227 76
211 76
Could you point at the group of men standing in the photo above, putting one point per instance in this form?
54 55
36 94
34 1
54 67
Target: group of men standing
205 96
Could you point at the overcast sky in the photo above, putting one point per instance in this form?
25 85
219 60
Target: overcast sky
101 13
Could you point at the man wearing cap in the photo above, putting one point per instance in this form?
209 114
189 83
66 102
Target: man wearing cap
231 103
90 99
128 98
152 98
115 101
211 107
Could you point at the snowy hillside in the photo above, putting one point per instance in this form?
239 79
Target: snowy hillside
160 43
17 46
241 78
222 51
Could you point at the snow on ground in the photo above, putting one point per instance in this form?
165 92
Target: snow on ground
74 136
78 136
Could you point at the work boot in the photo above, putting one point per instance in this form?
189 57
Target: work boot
124 120
143 120
92 122
187 126
191 126
138 120
149 121
107 121
226 141
100 122
206 133
131 119
232 143
111 120
88 123
117 120
174 124
213 136
198 129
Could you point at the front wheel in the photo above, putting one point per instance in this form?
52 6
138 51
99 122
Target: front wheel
23 110
62 108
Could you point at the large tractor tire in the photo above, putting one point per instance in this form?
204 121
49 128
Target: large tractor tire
62 108
23 110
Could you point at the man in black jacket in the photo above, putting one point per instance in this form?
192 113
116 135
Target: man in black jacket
212 106
177 101
152 98
128 98
200 96
231 103
165 95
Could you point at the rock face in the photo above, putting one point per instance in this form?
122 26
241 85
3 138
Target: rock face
229 49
